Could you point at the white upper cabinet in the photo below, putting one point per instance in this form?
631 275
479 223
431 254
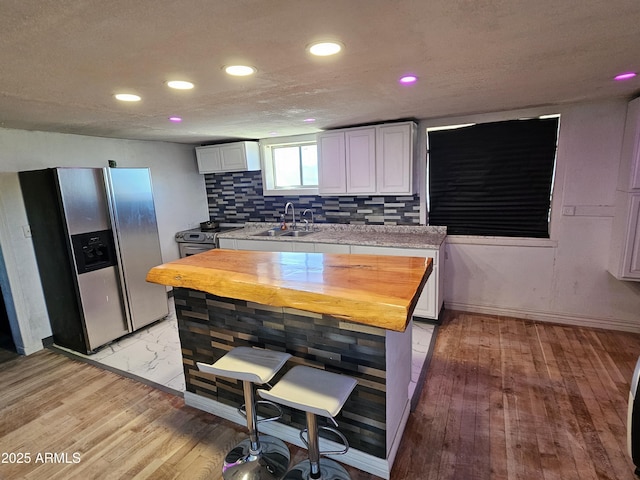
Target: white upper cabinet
360 158
376 160
332 175
394 165
629 174
228 157
624 256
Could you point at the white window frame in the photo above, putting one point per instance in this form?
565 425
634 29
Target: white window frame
268 174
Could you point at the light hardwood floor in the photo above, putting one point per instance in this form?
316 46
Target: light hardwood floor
503 399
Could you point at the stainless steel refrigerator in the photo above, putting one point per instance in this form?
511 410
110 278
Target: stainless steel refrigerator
95 238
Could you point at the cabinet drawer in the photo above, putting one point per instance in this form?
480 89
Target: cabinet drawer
408 252
332 248
264 245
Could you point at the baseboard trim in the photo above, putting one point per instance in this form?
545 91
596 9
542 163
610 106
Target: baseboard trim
363 461
562 318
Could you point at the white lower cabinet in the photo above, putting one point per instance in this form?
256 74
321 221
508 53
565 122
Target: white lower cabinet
432 297
624 260
229 243
431 300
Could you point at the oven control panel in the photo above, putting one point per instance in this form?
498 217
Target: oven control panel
195 237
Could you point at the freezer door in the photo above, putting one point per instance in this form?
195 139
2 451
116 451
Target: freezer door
138 244
84 200
103 310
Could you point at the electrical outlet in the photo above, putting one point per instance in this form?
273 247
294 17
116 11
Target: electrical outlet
26 231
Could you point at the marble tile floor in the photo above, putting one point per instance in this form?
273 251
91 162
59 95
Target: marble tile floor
152 355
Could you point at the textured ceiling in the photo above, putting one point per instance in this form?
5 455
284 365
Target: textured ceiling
61 61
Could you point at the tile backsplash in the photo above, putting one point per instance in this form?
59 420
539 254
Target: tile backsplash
237 197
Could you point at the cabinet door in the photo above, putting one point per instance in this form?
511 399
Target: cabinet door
427 304
632 253
306 247
331 163
208 159
629 172
394 159
624 254
229 243
635 155
360 151
233 157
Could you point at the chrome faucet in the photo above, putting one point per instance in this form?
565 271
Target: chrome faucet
293 214
307 223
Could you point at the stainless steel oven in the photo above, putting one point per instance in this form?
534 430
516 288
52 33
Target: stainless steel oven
198 240
187 249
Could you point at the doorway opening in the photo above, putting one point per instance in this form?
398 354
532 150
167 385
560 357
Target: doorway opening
6 338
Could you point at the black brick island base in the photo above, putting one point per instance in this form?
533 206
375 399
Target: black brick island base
375 414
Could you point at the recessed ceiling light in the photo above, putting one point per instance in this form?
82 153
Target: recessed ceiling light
408 79
625 76
127 97
239 70
324 49
175 119
180 85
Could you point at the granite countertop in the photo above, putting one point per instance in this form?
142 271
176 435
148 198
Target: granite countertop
376 235
375 290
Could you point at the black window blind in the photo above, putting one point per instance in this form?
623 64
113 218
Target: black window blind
493 178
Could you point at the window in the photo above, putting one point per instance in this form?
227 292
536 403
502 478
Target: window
295 166
493 179
290 165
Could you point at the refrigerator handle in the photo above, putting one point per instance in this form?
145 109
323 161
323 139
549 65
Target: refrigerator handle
113 218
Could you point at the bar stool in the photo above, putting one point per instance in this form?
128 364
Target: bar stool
260 457
316 392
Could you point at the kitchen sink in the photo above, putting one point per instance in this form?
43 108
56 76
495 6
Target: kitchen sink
274 232
297 233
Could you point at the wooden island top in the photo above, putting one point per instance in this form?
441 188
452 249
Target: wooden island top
375 290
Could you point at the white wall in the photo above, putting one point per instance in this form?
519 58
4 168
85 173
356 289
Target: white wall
179 193
563 279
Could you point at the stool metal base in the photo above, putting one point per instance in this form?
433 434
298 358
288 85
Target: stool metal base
329 469
270 464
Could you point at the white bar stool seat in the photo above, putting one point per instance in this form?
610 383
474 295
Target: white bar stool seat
316 392
260 457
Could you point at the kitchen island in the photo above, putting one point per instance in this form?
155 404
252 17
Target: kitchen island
402 240
344 313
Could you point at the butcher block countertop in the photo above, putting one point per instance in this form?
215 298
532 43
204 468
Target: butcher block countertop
379 291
